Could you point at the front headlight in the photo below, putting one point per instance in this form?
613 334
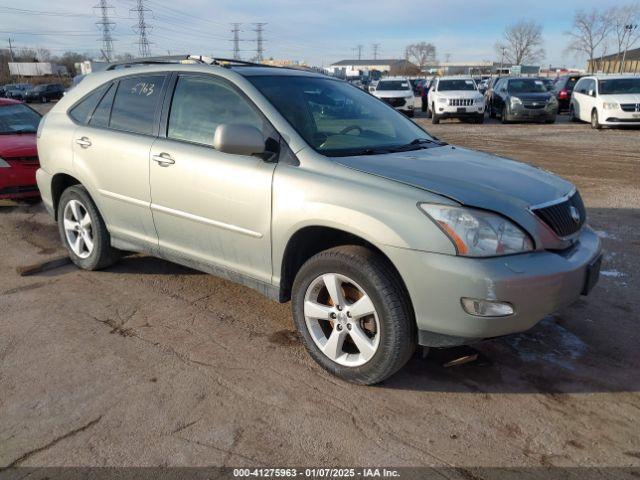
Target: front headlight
442 100
4 164
478 100
515 101
552 101
610 105
476 233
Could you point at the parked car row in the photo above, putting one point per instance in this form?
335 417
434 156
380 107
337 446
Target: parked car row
26 92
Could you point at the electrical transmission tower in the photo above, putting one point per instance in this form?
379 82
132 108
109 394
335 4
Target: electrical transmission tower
259 41
141 29
106 26
376 49
359 49
236 40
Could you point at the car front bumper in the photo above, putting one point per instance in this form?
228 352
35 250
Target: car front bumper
18 180
535 284
521 113
448 111
620 117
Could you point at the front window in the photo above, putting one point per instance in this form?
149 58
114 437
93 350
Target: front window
621 86
337 119
526 85
456 85
393 85
18 118
40 88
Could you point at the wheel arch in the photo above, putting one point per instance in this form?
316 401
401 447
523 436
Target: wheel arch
59 183
311 240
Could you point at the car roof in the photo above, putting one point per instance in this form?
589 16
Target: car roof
611 77
456 77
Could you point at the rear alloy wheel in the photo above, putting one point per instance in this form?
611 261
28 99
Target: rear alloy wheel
352 314
83 231
595 122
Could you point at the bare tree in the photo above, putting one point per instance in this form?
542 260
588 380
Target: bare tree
522 43
623 19
589 32
43 54
422 54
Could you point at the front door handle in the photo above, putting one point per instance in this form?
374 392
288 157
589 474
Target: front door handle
84 142
163 159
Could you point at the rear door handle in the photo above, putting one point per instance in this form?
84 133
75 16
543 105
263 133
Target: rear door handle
163 159
84 142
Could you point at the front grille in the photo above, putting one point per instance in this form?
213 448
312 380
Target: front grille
630 107
560 216
395 102
460 102
534 105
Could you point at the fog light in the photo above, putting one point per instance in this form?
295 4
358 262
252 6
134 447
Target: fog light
486 308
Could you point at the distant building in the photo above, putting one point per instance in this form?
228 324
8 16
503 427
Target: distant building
356 68
36 69
89 66
274 62
482 68
612 63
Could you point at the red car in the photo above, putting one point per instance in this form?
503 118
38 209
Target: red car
18 152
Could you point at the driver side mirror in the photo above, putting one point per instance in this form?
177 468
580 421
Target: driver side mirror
239 139
592 93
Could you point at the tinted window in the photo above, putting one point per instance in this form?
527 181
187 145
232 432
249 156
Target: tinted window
100 117
393 85
135 105
619 86
200 104
80 113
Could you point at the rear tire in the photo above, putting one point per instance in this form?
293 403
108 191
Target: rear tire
410 113
492 114
354 270
572 114
435 119
83 231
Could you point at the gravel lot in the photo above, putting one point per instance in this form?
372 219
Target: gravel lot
149 363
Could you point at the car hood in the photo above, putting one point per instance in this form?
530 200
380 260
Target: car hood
533 97
622 97
460 93
19 145
393 93
470 178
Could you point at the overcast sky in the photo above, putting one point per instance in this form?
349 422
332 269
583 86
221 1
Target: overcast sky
316 31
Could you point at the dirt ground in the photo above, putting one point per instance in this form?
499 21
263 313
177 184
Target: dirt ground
148 363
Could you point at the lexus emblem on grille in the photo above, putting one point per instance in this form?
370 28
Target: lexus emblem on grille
575 214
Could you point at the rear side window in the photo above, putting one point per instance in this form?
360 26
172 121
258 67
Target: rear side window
200 104
136 102
80 113
100 117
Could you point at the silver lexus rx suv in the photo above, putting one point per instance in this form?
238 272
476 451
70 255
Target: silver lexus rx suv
313 191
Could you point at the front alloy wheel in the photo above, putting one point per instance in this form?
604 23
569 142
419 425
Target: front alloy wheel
341 319
353 314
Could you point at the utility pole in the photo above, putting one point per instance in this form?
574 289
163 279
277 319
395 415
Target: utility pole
376 49
259 41
629 28
359 48
106 26
236 40
502 61
141 29
10 50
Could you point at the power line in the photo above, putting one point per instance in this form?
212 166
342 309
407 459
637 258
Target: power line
106 26
236 40
259 41
141 29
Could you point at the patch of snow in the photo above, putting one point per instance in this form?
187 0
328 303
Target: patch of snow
612 273
603 234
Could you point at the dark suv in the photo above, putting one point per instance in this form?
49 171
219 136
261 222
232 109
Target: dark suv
563 89
45 93
522 99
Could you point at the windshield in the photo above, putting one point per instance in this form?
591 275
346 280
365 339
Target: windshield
40 88
18 118
337 119
393 85
526 85
452 85
619 85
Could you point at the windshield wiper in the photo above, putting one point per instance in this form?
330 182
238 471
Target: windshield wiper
417 144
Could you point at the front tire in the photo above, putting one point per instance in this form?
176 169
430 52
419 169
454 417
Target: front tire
353 315
435 119
572 114
504 117
83 231
595 121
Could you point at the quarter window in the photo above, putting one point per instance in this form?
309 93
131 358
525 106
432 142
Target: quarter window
135 104
80 113
100 117
200 104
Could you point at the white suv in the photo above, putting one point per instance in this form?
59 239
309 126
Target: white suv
397 92
455 97
610 100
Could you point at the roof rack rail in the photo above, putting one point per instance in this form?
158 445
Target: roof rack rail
180 59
